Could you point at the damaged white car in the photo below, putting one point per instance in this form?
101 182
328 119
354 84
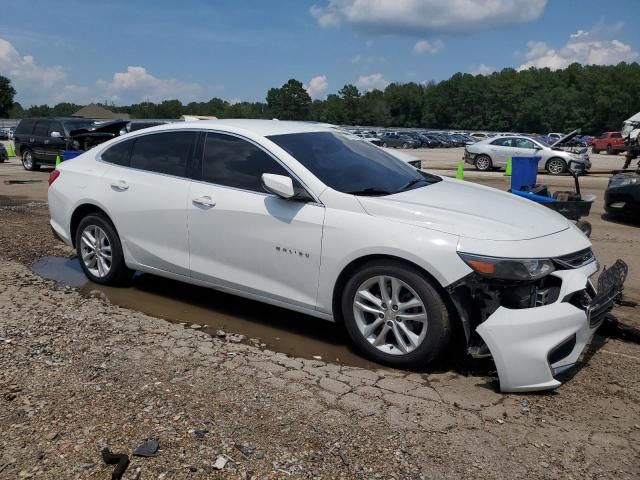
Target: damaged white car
300 216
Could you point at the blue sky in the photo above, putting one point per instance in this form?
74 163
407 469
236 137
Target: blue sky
124 51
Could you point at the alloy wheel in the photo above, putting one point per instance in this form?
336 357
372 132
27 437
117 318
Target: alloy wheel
27 160
555 167
96 251
482 163
390 315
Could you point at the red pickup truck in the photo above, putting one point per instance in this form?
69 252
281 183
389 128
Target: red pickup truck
612 142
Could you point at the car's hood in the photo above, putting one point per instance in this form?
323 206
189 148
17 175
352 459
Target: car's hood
468 210
566 138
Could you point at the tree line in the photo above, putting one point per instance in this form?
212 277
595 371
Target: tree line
594 98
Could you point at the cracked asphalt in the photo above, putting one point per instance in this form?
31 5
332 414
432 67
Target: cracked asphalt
78 373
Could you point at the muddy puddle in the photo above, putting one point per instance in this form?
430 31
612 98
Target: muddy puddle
281 330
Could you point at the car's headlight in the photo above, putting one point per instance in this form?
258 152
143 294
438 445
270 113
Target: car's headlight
617 182
509 268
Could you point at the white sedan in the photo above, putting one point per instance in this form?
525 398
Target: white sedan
300 216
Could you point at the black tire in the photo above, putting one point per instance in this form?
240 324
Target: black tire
384 144
28 161
552 162
485 164
405 146
594 150
438 328
585 227
118 274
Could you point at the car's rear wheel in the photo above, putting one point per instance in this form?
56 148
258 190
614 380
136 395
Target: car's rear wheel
28 161
100 251
611 151
405 145
594 149
384 144
394 315
556 166
483 163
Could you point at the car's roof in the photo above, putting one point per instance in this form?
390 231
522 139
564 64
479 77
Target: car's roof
257 127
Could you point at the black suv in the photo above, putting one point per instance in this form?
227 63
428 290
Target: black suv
40 140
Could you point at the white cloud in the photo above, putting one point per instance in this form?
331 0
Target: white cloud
415 16
424 46
30 80
482 69
136 84
356 59
375 81
585 47
37 84
317 86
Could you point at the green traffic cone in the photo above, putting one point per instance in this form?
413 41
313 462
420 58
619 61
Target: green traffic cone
507 172
460 172
58 161
10 151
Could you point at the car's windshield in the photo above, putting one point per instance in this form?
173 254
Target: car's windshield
352 166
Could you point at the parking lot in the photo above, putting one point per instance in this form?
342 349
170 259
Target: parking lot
278 394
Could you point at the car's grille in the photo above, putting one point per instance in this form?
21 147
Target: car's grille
577 259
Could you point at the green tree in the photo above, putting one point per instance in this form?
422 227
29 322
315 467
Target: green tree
289 102
7 92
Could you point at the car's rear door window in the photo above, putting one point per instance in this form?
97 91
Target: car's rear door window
42 128
234 162
118 154
166 152
502 142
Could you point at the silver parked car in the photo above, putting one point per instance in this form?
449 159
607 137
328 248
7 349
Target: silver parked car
494 153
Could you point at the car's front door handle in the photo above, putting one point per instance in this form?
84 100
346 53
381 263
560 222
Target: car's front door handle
120 186
204 202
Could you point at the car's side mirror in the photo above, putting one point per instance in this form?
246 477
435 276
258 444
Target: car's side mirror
55 135
279 185
537 147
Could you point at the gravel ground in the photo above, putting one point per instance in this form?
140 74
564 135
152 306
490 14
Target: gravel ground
78 374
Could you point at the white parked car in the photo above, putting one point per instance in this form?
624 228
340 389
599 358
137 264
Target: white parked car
300 216
493 153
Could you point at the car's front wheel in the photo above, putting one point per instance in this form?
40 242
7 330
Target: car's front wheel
394 315
556 166
483 163
28 162
100 251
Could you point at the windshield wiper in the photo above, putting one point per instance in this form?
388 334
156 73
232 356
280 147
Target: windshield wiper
370 191
412 183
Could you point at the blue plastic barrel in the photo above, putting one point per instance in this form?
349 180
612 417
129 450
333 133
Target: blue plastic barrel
524 171
69 154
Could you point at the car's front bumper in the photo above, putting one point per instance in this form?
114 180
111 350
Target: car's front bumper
624 201
530 346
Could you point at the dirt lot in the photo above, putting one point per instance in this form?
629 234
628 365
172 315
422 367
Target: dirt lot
79 372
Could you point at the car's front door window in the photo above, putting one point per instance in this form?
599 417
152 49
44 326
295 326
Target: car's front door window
235 162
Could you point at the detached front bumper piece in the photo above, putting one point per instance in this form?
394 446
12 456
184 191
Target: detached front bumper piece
531 345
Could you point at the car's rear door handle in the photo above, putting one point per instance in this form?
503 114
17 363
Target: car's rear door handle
204 202
120 186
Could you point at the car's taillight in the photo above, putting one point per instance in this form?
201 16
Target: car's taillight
53 176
